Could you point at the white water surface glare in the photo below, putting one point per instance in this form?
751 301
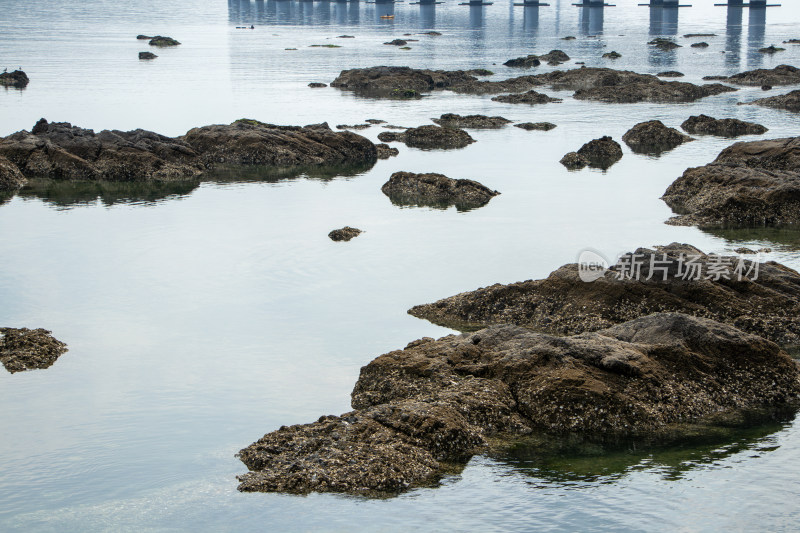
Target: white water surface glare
201 316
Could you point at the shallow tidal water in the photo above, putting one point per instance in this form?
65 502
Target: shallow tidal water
200 316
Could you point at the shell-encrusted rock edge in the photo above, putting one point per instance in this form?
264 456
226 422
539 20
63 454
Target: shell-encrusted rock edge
61 151
420 410
27 349
564 304
749 184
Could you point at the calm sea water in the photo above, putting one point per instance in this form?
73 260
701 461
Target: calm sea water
200 317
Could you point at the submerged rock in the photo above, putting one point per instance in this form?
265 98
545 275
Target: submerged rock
64 152
765 301
530 97
771 49
598 153
317 85
430 137
789 102
397 42
725 127
11 178
451 120
653 137
529 126
144 37
664 44
553 57
147 55
436 190
749 184
385 151
26 349
701 44
162 41
438 402
780 75
344 234
17 79
612 55
670 74
353 126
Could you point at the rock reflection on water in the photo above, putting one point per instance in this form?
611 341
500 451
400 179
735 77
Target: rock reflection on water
68 194
577 462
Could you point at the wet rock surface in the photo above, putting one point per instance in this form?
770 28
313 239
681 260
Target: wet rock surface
429 137
701 44
530 98
531 126
765 301
452 120
789 102
425 410
17 79
28 349
147 55
601 84
749 184
771 49
161 41
664 44
385 151
553 57
780 75
601 153
11 178
317 85
670 74
344 234
724 127
436 190
62 151
653 137
574 161
612 55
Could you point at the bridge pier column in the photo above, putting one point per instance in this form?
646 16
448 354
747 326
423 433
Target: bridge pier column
751 3
666 3
593 3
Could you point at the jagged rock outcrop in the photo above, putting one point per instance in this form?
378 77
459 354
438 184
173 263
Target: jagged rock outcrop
11 178
452 120
724 127
436 403
436 190
760 298
27 349
429 137
664 44
653 137
601 84
749 184
780 75
385 151
60 150
789 101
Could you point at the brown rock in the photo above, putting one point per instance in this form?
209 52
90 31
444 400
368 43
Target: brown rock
653 137
438 402
436 190
452 120
725 127
564 304
344 234
26 349
530 97
430 137
749 184
789 102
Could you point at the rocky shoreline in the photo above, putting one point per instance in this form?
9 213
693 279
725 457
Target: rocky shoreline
425 410
24 349
61 151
